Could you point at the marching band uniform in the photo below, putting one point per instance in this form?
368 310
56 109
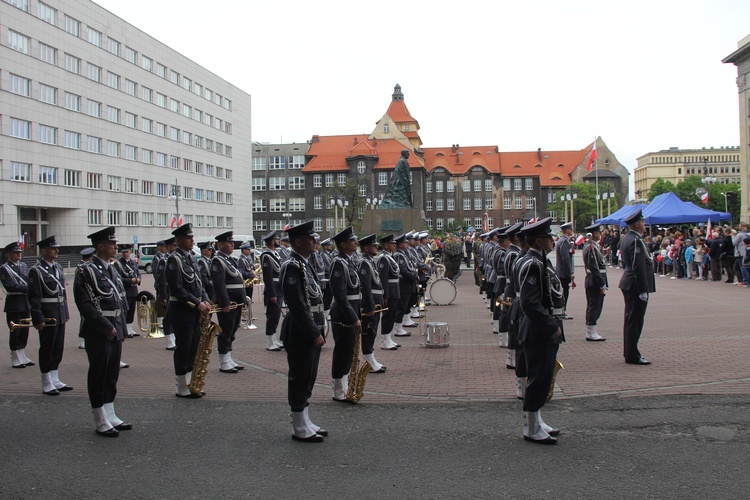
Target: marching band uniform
636 283
131 278
162 290
372 299
101 299
327 256
407 286
15 280
86 255
564 262
389 273
186 294
421 281
303 334
284 250
270 265
596 282
489 270
247 266
48 299
508 291
345 309
540 332
229 287
204 265
515 316
497 264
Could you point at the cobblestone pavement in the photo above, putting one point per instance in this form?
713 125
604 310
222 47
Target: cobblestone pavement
696 335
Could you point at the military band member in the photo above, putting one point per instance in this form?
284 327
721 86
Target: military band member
489 270
316 260
131 278
284 249
508 291
596 282
327 254
187 301
372 299
246 264
164 249
419 265
515 317
270 266
498 259
48 299
637 283
87 254
407 286
564 251
229 287
389 277
541 331
345 310
101 299
204 264
302 331
14 275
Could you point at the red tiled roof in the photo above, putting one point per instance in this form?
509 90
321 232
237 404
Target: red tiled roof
329 153
460 160
399 113
552 167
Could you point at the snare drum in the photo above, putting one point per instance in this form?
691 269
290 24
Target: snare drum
443 292
437 334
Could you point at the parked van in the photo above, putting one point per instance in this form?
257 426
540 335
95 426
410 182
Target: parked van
239 239
146 257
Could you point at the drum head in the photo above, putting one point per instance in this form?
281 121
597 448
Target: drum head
443 292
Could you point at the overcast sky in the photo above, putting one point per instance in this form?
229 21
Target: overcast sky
643 75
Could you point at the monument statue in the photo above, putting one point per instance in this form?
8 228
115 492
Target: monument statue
398 194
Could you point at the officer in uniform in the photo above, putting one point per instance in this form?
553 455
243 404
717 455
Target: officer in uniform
87 254
227 280
489 270
389 273
14 275
498 260
407 285
164 249
327 254
316 261
564 261
372 299
284 249
422 270
247 266
637 283
204 264
345 323
131 278
101 299
512 251
188 300
302 331
541 331
270 266
515 313
596 282
48 299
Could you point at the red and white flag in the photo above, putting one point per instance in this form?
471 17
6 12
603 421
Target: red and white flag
708 229
592 157
21 242
485 222
704 198
176 221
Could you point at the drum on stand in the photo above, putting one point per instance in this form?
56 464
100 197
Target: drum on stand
443 291
437 335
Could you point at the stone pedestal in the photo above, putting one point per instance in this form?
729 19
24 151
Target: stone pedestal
396 221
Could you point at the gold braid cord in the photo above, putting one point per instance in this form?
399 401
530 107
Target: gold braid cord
357 375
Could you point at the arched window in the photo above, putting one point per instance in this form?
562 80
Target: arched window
386 128
361 167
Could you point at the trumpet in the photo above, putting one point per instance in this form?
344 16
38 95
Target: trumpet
504 302
26 323
216 308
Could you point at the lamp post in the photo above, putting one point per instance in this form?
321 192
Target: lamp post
337 202
176 195
288 217
726 202
533 200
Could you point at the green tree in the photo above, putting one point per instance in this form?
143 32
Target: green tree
348 194
660 186
584 205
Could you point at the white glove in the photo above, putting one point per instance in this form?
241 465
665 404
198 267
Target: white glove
643 297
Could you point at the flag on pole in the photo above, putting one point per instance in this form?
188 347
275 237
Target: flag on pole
176 221
704 198
173 221
592 157
21 242
708 229
485 222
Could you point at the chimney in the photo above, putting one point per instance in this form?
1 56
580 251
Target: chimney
316 138
355 141
539 153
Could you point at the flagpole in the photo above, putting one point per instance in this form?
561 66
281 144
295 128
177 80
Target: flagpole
596 176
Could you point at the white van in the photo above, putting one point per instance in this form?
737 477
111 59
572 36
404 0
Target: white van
239 239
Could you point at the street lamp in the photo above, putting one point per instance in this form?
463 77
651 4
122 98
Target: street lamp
533 200
288 217
726 202
176 195
337 202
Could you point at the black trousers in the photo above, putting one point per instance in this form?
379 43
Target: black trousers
104 369
389 317
343 351
565 282
249 291
540 366
166 323
635 310
594 304
273 313
229 323
491 296
187 334
521 368
369 332
20 336
131 310
51 346
404 305
303 359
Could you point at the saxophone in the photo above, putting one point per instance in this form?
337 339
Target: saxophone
357 375
209 330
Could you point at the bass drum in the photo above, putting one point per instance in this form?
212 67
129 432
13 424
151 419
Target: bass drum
443 292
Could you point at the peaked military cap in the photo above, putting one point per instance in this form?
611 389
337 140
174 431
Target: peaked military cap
316 237
388 238
409 236
126 247
593 227
503 232
245 245
169 241
225 236
325 242
634 217
538 228
14 247
514 229
161 243
106 234
270 236
88 251
399 239
49 242
286 238
345 234
184 230
423 234
204 245
304 229
370 239
567 225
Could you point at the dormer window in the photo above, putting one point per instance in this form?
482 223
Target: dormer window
386 128
361 167
406 127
